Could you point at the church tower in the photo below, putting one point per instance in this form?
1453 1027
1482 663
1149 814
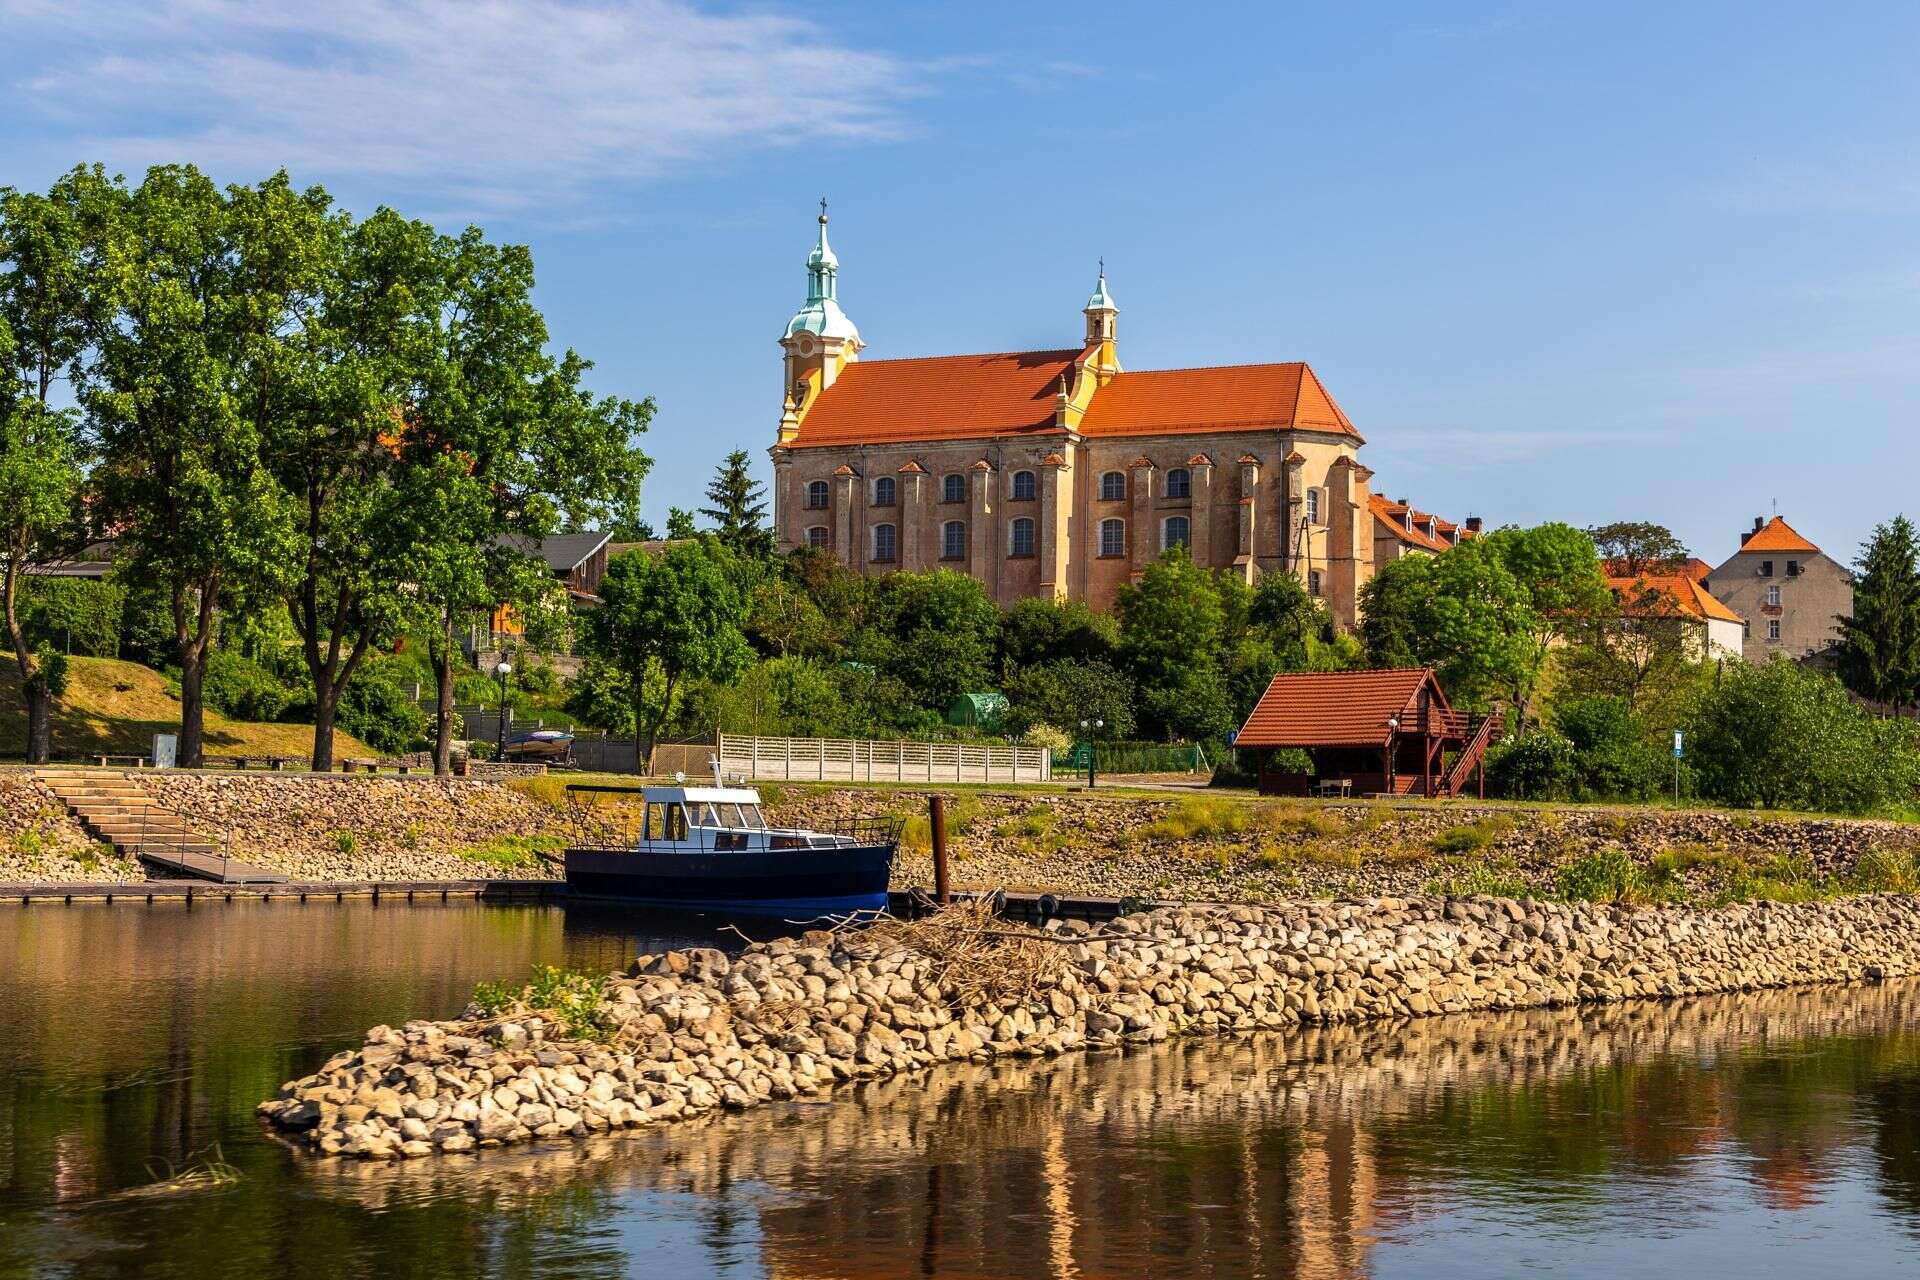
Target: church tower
819 340
1102 357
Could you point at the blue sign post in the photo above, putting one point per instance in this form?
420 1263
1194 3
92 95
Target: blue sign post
1679 749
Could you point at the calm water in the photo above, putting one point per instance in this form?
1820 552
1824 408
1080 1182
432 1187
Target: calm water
1768 1134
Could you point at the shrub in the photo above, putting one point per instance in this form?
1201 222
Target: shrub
1481 881
573 1000
1473 836
346 842
377 710
1538 766
1047 737
245 690
1604 876
1615 756
1885 871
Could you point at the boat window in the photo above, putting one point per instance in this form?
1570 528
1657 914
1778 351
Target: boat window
729 815
674 823
704 816
752 817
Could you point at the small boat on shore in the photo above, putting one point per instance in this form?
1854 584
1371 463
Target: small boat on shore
712 849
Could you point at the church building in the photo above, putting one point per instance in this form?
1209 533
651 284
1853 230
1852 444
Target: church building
1059 473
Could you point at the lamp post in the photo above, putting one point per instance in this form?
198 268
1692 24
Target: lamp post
1393 735
1089 728
502 669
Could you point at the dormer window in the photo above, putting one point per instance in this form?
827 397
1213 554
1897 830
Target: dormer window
1023 486
1179 483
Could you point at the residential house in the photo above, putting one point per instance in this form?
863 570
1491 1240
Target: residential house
1791 593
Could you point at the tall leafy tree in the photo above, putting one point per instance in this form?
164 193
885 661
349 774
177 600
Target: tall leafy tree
666 620
738 509
1558 571
45 296
1639 546
1171 627
1461 612
175 366
1880 640
933 632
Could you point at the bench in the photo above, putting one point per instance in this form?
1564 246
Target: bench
1342 787
137 761
276 763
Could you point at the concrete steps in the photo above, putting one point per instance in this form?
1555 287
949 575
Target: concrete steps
115 808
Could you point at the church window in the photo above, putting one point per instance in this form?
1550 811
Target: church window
817 537
953 488
953 540
1023 486
883 491
1313 506
1313 582
1176 532
1113 537
886 544
1179 483
1113 486
1020 537
816 495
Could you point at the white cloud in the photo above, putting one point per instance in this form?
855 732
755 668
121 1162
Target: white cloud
492 105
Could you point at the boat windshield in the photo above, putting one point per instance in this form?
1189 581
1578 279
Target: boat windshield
740 816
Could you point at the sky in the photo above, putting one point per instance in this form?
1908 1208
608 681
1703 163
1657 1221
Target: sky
1569 261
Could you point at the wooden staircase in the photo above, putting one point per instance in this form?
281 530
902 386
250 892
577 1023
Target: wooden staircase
114 807
1471 757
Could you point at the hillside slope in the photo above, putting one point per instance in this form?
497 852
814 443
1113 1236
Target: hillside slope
118 706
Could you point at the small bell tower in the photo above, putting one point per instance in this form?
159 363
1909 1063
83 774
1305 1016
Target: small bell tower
820 340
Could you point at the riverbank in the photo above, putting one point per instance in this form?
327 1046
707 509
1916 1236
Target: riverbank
1210 848
686 1033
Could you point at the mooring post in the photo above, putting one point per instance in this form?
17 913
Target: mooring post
937 820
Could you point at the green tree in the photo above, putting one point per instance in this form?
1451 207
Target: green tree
1062 694
666 620
174 371
739 509
1392 603
1880 641
1038 631
680 525
1171 626
934 633
1557 569
1639 547
46 295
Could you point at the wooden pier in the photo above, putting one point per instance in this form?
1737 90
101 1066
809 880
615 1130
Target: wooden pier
192 891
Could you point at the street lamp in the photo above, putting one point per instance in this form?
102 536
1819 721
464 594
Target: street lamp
502 669
1089 728
1393 732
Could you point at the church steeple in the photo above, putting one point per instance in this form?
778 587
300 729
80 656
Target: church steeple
821 315
1100 311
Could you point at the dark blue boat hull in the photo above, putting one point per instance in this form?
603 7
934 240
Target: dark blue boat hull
789 884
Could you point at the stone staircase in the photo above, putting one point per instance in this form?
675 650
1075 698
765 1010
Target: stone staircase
114 807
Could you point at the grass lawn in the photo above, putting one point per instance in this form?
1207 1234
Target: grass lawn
117 707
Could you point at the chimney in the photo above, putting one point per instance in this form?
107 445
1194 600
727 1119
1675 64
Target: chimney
1473 523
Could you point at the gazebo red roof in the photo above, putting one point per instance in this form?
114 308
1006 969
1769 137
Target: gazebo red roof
1339 708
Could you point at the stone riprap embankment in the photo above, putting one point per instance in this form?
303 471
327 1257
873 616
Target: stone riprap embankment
41 843
695 1032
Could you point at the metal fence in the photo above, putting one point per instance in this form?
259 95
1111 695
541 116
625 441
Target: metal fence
839 759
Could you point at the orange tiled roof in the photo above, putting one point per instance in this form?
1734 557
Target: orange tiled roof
1333 708
1226 398
1393 516
1675 591
1014 393
1778 535
937 398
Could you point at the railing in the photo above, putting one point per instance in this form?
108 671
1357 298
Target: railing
848 760
1471 754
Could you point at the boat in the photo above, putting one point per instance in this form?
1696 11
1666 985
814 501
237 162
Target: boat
712 849
550 746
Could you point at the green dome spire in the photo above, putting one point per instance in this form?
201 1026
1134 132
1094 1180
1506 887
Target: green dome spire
821 313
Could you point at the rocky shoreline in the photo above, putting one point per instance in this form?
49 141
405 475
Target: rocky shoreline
686 1033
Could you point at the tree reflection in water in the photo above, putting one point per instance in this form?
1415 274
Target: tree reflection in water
1733 1123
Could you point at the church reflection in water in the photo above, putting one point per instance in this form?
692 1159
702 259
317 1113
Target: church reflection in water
1294 1155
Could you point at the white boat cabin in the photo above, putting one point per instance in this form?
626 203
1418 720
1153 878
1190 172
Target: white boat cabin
706 819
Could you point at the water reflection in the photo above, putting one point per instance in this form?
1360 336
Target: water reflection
1714 1135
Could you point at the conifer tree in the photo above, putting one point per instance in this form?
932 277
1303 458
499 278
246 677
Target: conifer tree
739 509
1880 646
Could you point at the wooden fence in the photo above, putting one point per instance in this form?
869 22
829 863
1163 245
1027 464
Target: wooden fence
836 759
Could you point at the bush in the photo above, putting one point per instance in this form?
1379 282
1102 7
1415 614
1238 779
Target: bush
1605 876
245 690
1615 754
1473 836
1062 694
1539 766
377 710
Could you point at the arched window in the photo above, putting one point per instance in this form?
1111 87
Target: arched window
1020 537
886 544
1175 532
1113 486
953 540
1023 488
1313 506
953 488
817 537
816 495
883 490
1179 483
1113 537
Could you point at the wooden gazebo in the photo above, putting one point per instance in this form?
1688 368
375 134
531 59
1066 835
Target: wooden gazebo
1368 732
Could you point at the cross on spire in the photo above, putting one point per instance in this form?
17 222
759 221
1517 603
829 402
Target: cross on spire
823 208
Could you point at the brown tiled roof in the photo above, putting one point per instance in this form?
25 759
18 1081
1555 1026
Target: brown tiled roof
1778 535
937 398
912 468
1333 708
1697 569
1392 515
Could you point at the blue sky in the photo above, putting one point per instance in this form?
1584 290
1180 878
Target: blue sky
1557 261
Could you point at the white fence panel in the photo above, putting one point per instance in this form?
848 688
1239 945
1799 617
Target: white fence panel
841 760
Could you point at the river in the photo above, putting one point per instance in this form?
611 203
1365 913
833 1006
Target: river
1772 1133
